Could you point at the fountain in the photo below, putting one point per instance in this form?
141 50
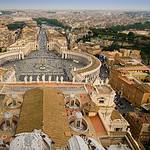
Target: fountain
42 67
41 64
9 122
72 102
12 102
78 123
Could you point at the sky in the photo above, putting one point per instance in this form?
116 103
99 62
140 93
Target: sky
76 4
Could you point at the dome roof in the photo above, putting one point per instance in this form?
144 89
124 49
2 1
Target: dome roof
78 115
77 143
31 141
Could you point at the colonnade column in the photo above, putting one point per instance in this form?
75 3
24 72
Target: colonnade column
62 55
19 56
22 56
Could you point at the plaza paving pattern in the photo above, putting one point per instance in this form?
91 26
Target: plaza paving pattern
49 60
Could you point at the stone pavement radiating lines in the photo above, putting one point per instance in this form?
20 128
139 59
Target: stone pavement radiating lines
51 62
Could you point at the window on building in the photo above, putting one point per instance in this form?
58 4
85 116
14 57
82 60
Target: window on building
148 100
101 101
72 103
7 123
78 124
118 129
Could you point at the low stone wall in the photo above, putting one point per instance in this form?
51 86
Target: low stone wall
116 139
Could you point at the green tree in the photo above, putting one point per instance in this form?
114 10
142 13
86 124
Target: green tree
114 46
131 37
122 37
16 25
51 22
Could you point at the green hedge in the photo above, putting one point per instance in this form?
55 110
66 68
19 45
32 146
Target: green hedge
51 22
16 25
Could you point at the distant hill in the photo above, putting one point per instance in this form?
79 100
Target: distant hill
4 12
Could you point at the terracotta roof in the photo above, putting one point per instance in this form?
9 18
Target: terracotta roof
105 89
44 109
140 117
126 79
31 112
146 106
91 107
133 68
143 87
115 115
98 125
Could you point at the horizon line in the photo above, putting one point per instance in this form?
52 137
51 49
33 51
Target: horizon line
80 9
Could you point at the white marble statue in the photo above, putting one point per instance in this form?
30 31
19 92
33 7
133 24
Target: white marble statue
57 79
30 78
38 78
25 79
61 78
73 80
43 77
49 78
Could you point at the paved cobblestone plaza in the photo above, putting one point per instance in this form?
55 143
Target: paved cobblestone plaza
43 62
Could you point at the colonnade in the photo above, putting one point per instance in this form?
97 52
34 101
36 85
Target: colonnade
64 55
8 56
